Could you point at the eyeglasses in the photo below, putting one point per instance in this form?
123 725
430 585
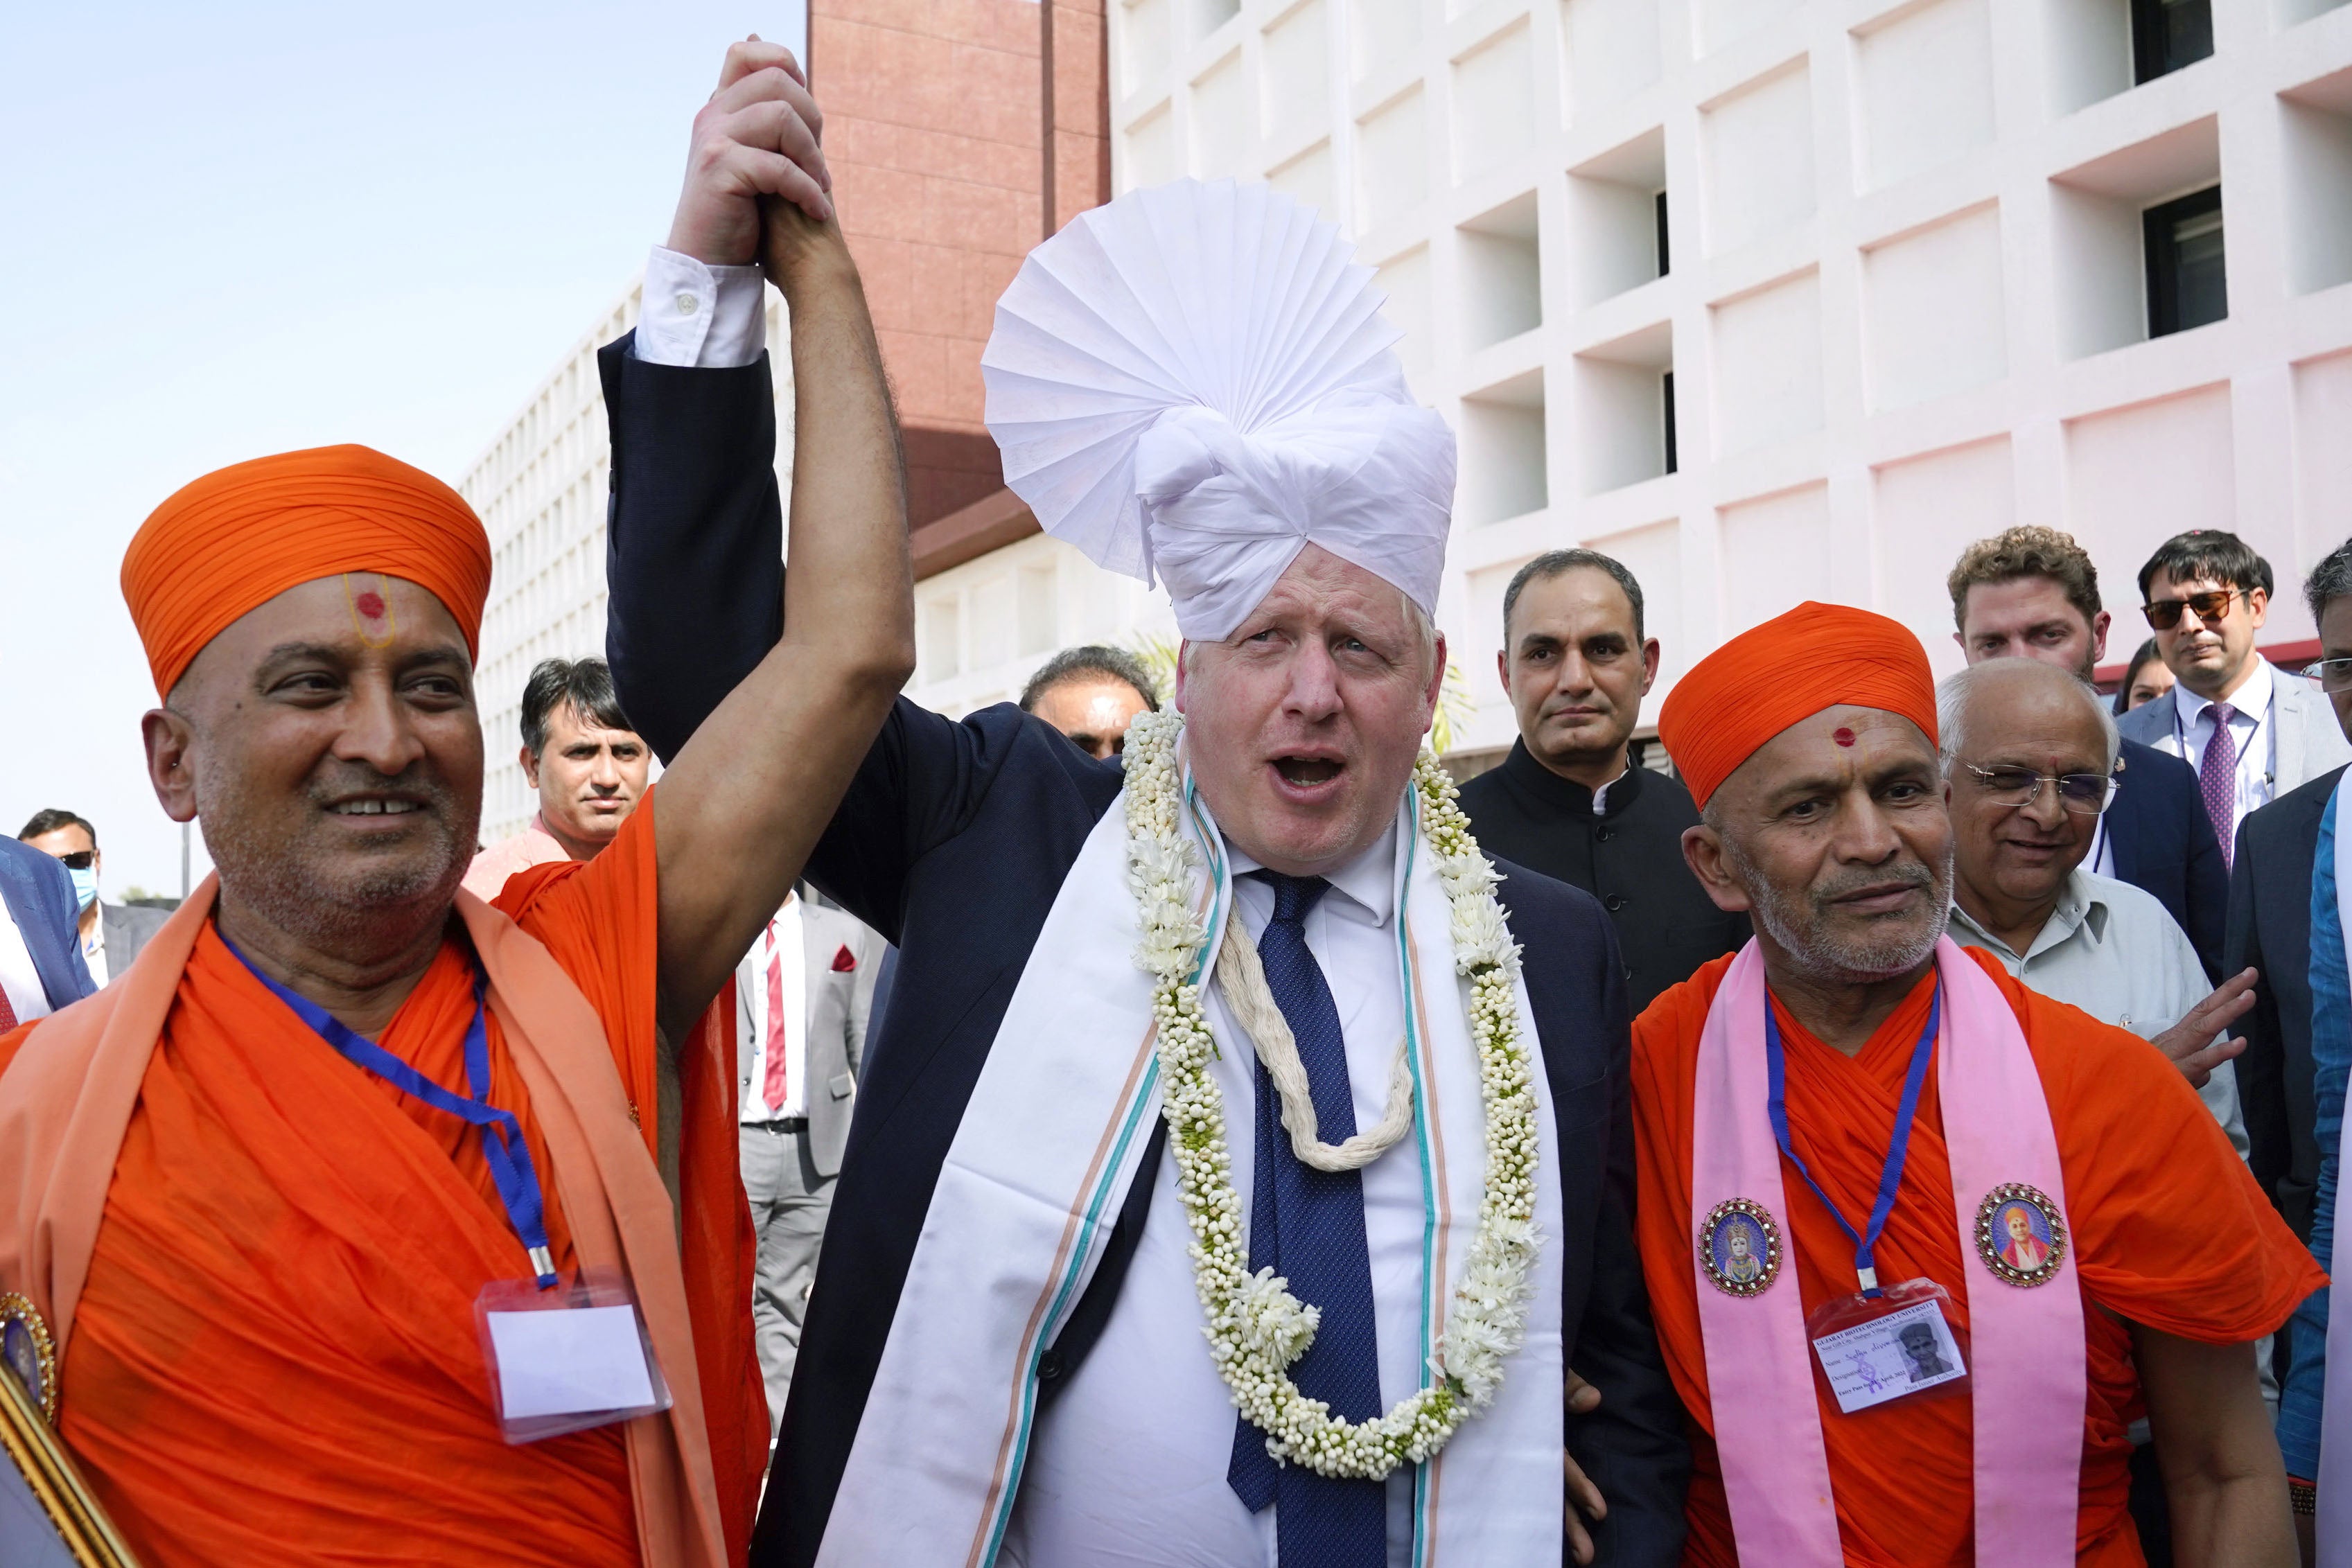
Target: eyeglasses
2164 614
2330 674
2084 794
81 860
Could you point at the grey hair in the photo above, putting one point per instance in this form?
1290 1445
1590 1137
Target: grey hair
1952 694
2331 579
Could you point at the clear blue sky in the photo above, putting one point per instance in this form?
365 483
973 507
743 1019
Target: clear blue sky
233 230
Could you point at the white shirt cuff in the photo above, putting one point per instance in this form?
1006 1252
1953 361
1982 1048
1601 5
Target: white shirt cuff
700 317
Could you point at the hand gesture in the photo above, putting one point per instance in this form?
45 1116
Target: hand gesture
2190 1044
757 137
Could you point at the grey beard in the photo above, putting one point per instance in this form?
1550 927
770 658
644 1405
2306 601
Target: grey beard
1794 924
347 917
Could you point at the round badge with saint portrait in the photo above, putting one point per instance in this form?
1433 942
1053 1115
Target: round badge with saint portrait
28 1354
2020 1235
1739 1248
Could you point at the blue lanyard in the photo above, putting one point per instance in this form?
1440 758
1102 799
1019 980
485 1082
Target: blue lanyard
503 1146
1897 1150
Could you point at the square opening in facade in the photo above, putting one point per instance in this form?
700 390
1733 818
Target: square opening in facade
1623 402
2168 34
2102 262
2287 13
2187 281
1502 274
1504 470
1617 220
2316 126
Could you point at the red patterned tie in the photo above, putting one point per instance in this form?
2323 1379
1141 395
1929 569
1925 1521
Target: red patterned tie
772 1087
7 1013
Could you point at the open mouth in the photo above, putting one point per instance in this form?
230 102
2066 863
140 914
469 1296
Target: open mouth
1306 772
374 807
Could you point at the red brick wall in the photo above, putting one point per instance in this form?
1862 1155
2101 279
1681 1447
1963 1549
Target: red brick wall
940 121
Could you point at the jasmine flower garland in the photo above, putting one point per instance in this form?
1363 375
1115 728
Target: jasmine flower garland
1255 1327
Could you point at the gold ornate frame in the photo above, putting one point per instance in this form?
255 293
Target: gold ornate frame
81 1526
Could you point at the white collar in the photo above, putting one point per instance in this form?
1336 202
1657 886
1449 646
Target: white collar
1601 796
2252 699
1369 879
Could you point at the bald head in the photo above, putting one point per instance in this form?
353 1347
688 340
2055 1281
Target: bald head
1999 693
2009 727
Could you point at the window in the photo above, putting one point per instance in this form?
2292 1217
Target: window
2169 34
1666 381
1665 262
2186 285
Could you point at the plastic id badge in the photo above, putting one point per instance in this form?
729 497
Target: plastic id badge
1899 1345
567 1358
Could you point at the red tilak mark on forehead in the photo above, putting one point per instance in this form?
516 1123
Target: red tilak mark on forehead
1842 736
370 605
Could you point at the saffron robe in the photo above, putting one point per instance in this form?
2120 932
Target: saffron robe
274 1354
2168 1229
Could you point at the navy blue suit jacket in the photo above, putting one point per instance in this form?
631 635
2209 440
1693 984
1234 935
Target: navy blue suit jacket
953 840
40 899
2164 844
2270 930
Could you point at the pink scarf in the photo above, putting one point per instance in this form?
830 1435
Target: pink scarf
2027 1362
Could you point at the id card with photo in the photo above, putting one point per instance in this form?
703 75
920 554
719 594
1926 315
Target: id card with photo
1903 1353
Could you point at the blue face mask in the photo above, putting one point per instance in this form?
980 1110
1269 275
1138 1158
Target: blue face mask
84 884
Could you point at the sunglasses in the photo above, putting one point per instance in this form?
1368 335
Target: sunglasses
2164 614
81 860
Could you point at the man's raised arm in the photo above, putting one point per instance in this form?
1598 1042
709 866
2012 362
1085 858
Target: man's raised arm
746 798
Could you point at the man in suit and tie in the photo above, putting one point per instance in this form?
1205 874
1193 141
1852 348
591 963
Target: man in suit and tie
41 968
2286 920
110 935
803 995
2031 592
2251 733
1007 1350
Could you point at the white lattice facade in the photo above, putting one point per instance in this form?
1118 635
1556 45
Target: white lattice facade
541 489
1905 301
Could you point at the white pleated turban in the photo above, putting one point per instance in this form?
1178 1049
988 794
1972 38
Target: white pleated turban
1193 383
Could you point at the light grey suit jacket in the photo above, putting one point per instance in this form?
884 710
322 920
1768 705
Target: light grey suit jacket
2306 740
839 1000
126 927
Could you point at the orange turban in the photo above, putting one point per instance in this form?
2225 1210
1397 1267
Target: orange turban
1788 669
240 536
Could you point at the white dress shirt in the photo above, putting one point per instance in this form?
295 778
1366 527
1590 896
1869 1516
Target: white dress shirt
1102 1486
699 317
2251 732
781 943
93 951
18 978
2112 950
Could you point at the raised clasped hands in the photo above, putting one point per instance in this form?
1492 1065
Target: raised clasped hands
756 150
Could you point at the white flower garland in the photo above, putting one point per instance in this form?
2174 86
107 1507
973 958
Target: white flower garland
1256 1328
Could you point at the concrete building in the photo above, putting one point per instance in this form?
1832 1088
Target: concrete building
541 490
1777 300
959 133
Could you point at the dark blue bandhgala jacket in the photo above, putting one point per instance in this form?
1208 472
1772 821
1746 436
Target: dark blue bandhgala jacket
952 841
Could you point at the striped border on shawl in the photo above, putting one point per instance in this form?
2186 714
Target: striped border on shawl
1110 1159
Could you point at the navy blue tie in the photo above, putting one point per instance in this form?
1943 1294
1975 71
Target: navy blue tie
1307 1225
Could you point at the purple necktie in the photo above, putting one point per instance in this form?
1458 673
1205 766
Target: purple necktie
2217 779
